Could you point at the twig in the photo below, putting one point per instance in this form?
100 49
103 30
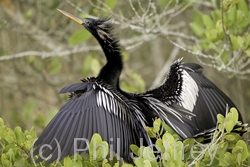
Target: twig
166 67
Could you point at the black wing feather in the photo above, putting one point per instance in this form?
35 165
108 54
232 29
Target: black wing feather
83 115
185 85
210 101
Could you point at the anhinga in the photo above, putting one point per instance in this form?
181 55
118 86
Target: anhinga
186 101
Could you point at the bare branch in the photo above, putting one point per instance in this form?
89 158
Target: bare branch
165 69
51 54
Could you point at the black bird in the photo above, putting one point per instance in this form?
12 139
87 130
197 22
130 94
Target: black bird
186 101
96 105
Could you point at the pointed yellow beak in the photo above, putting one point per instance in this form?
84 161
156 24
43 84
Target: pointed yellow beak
78 20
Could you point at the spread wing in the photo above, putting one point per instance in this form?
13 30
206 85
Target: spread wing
210 100
91 109
191 101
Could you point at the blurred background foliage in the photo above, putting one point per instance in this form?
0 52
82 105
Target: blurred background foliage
41 51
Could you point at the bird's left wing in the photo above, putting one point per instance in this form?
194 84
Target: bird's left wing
91 109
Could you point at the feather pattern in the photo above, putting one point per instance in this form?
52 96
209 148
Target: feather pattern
187 101
89 111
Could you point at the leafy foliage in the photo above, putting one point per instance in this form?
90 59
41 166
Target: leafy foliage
224 34
227 148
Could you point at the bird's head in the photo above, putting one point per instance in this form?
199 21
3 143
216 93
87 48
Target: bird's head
99 28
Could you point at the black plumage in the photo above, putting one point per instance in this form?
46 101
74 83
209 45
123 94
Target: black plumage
186 101
186 88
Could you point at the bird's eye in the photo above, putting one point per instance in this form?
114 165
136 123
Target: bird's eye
87 22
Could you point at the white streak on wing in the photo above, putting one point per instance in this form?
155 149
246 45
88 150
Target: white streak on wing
98 99
189 92
108 92
118 110
158 106
108 102
113 106
104 101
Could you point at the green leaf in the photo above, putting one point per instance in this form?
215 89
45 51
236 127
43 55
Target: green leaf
234 42
240 41
231 119
149 154
234 115
9 135
20 160
222 147
94 142
150 132
157 125
88 164
225 57
102 150
211 34
198 29
246 43
135 149
79 37
237 152
196 16
216 15
229 125
78 164
11 155
243 145
230 18
105 163
98 149
67 162
227 159
139 161
146 163
188 143
6 163
168 141
159 145
111 3
208 22
19 135
219 27
242 6
230 137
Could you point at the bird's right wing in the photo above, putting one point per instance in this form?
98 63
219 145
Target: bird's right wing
210 100
91 109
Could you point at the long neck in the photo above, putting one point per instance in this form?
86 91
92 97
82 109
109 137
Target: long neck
111 71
